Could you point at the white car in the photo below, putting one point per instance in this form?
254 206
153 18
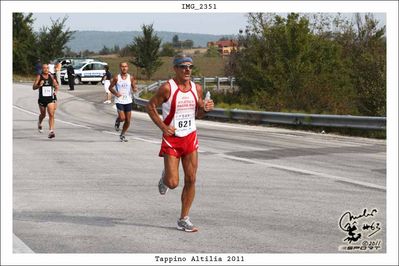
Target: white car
86 72
65 61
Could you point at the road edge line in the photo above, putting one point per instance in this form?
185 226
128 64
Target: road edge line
19 246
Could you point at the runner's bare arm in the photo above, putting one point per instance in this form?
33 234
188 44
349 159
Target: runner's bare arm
160 97
133 82
36 84
112 85
56 85
104 77
202 106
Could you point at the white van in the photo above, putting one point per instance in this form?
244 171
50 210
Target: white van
86 72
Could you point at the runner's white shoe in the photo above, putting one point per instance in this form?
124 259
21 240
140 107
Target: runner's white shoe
186 225
51 135
39 127
123 138
161 186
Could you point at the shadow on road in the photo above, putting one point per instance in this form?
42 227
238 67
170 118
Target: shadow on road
58 217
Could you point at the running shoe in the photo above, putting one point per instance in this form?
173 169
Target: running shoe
117 124
161 185
107 102
123 138
51 135
39 127
186 225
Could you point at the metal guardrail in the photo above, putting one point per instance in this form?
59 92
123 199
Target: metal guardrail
342 121
202 80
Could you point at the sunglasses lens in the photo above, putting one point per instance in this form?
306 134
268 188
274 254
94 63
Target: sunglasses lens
186 66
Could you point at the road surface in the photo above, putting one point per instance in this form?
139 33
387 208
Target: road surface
259 189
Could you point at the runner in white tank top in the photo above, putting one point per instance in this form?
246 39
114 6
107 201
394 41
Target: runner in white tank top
124 84
124 87
180 109
181 101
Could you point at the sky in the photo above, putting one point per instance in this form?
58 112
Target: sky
221 23
206 23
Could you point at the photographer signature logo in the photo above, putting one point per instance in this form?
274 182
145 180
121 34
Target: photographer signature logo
360 230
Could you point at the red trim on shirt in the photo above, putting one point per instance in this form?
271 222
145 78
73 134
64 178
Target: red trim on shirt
171 114
196 100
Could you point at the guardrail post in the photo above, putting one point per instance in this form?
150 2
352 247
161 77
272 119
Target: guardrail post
218 83
231 83
203 84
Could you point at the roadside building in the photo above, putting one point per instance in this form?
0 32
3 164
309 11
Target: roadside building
224 47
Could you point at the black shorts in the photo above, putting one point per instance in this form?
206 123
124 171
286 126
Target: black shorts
45 101
124 107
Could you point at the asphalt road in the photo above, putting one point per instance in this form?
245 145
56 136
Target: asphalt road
259 189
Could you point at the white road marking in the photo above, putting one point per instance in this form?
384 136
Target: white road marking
58 120
134 137
19 246
333 177
309 172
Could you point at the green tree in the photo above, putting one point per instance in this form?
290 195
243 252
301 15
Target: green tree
212 52
188 44
52 41
168 50
145 50
69 53
105 50
116 49
368 53
225 38
175 41
87 53
284 66
125 51
24 43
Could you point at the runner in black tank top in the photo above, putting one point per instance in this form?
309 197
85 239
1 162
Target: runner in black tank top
46 92
48 88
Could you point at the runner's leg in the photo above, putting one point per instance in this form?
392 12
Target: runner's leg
171 167
42 113
126 125
51 107
190 165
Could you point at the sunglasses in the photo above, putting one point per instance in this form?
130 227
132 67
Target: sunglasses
182 66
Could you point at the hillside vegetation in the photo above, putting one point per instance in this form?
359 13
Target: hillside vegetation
310 63
204 66
83 40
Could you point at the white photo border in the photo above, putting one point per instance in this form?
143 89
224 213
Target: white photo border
390 8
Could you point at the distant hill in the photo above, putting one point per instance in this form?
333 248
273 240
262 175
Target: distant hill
95 40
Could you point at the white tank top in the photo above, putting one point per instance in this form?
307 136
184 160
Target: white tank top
179 110
124 87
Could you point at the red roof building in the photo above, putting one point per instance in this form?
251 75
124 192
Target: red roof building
224 47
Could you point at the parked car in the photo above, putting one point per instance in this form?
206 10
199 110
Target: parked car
92 71
66 61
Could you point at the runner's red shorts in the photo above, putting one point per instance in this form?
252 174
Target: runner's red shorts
179 146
